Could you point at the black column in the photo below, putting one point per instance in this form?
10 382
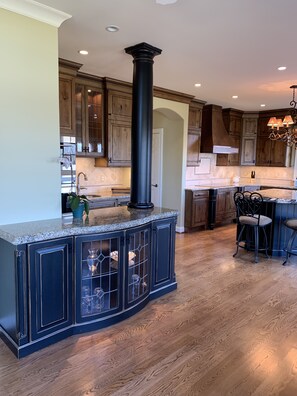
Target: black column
142 116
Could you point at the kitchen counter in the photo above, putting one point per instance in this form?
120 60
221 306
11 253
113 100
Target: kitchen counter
99 220
279 195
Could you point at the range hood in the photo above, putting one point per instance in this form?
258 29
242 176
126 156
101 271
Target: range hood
214 136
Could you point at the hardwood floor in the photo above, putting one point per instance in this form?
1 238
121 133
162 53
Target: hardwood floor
229 329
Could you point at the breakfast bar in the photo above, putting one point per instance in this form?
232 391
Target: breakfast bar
61 277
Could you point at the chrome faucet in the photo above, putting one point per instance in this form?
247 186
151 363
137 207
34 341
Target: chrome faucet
78 186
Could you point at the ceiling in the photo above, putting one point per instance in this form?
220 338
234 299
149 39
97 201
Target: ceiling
230 47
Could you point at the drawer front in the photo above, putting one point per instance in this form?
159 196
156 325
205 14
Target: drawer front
198 194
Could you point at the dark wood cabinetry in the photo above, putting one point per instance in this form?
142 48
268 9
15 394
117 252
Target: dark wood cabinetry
269 152
118 119
249 138
194 132
233 123
221 206
67 74
196 209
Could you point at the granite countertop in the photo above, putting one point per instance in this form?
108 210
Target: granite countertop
279 195
252 186
99 220
106 196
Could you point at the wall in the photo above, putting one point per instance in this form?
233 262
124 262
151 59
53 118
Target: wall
173 118
29 124
101 180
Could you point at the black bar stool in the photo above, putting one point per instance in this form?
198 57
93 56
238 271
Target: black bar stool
292 224
248 216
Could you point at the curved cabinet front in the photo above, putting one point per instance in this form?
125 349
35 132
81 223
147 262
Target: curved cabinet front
81 283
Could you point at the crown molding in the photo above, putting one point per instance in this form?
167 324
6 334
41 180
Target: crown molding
35 10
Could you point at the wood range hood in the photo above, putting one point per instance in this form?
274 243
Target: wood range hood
214 136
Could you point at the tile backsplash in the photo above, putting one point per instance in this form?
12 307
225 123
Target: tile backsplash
101 180
209 174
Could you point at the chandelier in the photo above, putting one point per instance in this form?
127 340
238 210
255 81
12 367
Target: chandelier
285 130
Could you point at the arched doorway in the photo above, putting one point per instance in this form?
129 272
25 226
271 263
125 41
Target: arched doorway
172 117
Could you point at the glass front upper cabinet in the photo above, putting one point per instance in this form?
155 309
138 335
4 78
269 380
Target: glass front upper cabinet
89 121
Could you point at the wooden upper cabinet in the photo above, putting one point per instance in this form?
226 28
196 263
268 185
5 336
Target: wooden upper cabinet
269 152
194 132
118 120
67 73
249 138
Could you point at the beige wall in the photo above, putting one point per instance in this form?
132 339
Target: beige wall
29 124
173 118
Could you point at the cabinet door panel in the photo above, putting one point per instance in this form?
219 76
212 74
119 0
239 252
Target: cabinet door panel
200 211
119 144
99 268
51 286
194 141
120 105
163 253
66 105
248 156
138 264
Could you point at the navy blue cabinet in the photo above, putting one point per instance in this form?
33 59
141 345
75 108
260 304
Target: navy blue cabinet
52 289
163 247
50 266
137 264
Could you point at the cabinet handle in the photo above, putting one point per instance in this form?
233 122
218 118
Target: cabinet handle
109 159
21 283
155 185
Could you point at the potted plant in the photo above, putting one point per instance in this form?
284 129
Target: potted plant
78 204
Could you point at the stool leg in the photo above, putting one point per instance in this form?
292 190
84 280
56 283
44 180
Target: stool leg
266 242
256 232
238 240
289 246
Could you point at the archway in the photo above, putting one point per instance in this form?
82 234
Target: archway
172 117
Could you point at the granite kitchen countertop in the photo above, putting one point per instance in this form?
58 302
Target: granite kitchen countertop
99 220
279 195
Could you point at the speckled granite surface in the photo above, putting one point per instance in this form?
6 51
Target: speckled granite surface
100 220
279 195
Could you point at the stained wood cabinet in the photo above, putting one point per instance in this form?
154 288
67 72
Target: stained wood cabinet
194 132
67 74
196 209
269 152
118 103
249 138
221 206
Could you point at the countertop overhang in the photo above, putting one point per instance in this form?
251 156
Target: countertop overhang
99 220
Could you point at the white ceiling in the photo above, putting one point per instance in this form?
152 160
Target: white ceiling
231 47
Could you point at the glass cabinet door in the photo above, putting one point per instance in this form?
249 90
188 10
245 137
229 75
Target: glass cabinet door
138 257
98 275
89 121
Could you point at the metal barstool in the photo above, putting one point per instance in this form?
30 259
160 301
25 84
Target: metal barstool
248 216
292 224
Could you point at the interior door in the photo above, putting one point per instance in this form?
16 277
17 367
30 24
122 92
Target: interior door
157 166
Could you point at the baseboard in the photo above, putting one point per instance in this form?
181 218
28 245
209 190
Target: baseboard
180 229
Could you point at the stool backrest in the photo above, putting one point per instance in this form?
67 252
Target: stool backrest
248 204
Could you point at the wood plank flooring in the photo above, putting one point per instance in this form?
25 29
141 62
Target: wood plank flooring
229 329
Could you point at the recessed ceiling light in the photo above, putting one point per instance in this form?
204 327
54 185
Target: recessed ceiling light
112 28
83 52
197 85
165 2
262 105
282 68
234 97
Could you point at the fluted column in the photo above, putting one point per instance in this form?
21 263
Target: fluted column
142 116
